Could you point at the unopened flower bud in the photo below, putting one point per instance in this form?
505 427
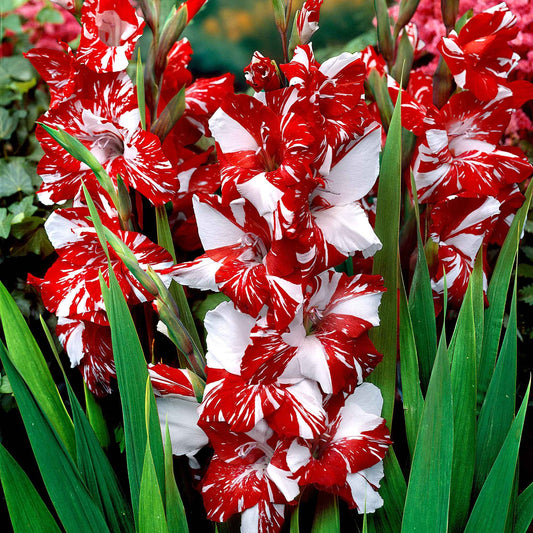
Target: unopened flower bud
169 116
405 14
129 259
262 73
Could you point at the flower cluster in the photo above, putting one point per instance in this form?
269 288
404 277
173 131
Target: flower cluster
94 100
285 405
461 170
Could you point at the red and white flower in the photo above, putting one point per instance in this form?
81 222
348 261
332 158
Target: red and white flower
71 286
88 346
262 73
480 57
177 406
327 342
105 118
110 30
347 458
307 21
459 227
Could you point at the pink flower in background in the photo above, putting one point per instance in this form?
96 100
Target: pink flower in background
48 34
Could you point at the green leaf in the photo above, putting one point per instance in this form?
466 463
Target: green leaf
50 15
5 223
497 296
97 473
464 392
132 375
524 510
14 177
11 22
525 270
151 509
498 409
151 512
388 519
8 123
26 508
18 67
164 239
428 492
386 262
176 518
25 208
495 497
422 308
327 518
526 294
141 100
26 355
412 399
96 418
295 519
62 480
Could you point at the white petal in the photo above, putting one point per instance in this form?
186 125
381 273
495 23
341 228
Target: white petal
214 228
261 193
228 334
297 456
347 228
355 174
230 135
182 416
289 487
360 412
199 274
364 495
313 363
331 67
364 306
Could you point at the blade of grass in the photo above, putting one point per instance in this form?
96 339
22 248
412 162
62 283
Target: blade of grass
388 519
524 510
497 296
96 418
26 356
385 337
176 518
73 503
93 465
421 306
493 501
132 374
164 239
97 473
151 509
498 409
428 492
464 392
327 519
26 508
141 101
412 399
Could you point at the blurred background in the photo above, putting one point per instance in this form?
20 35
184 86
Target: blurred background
225 33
